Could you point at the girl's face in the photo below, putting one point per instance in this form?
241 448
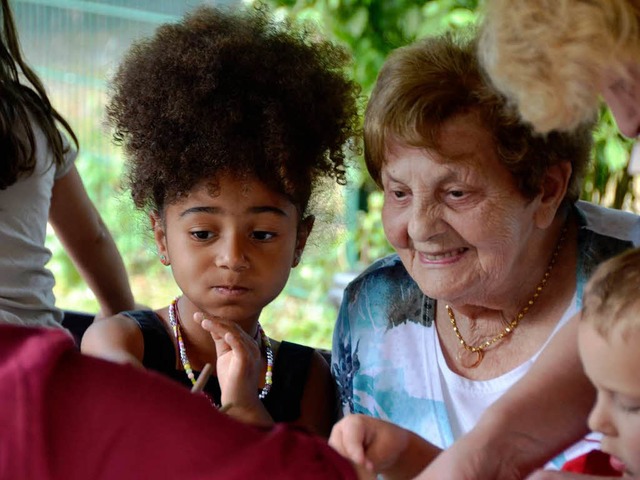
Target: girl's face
612 366
456 217
623 97
231 248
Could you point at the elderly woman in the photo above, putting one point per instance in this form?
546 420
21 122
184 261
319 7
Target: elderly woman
493 250
553 59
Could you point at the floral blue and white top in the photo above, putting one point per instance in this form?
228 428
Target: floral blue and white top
387 360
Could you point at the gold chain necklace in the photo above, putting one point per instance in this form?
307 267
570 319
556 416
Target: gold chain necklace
479 349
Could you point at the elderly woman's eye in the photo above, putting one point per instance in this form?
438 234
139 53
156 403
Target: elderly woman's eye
457 193
399 194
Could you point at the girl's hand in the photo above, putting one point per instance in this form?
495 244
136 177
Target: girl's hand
238 368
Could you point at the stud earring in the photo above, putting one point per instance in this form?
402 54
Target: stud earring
163 260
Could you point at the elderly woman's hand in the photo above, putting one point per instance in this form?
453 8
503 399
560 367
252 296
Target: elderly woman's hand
472 457
381 447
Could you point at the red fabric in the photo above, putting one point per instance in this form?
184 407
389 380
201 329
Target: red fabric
67 416
595 462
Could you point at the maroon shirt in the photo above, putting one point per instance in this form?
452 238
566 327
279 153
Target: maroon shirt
68 416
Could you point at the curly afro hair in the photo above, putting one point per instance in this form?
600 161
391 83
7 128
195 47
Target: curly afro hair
238 93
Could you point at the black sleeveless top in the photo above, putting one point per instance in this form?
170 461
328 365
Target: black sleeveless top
290 367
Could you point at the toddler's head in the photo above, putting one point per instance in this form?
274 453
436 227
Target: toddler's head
609 339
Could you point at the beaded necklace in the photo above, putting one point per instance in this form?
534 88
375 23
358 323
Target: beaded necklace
174 320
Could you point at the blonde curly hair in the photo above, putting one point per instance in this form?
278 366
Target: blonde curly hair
611 295
549 56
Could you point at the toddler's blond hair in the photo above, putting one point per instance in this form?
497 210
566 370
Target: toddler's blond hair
611 297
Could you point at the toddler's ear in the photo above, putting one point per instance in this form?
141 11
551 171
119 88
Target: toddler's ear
304 229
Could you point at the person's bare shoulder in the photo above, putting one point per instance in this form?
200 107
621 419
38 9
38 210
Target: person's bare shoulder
117 338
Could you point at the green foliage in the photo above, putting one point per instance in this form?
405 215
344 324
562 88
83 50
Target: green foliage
369 234
373 28
607 181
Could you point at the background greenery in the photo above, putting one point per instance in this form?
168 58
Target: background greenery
351 238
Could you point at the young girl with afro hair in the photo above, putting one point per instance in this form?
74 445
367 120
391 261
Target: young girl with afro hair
230 120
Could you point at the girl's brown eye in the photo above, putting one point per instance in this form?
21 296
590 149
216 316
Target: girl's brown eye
261 235
202 235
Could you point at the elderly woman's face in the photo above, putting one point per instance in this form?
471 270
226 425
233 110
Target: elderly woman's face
456 217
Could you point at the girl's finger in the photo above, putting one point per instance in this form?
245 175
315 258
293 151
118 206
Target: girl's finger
201 318
215 331
248 348
218 326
